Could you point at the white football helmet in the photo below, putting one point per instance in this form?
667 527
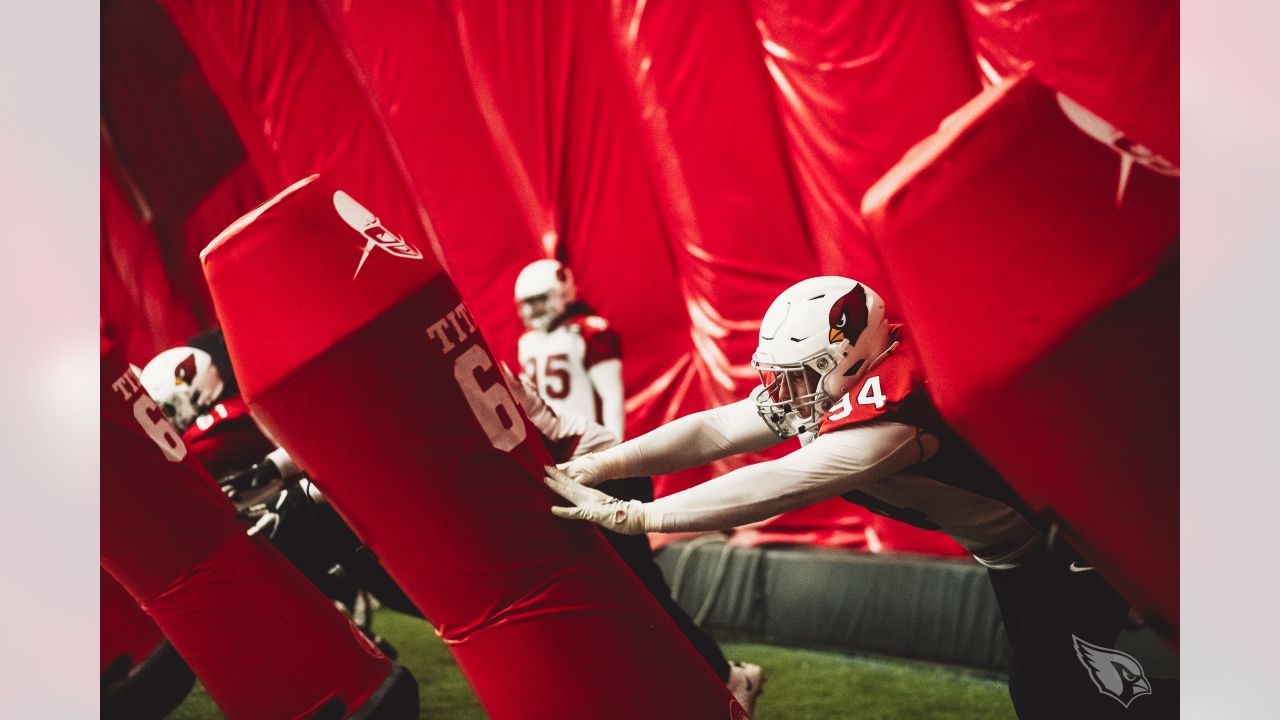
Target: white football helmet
817 339
544 290
184 382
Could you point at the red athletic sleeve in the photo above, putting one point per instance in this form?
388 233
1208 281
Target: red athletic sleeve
603 343
227 439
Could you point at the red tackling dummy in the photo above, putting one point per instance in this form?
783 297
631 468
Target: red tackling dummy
265 642
1032 247
128 635
143 678
354 351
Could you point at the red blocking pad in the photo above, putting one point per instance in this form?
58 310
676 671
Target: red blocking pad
1105 463
127 632
363 362
1031 265
265 642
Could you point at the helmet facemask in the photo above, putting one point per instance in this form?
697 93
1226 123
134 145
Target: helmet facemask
539 311
184 382
181 409
792 399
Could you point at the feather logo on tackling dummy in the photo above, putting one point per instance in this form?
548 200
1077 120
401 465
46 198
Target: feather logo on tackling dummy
1116 674
368 225
1129 150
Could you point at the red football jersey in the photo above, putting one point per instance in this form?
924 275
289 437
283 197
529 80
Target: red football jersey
955 491
891 390
227 439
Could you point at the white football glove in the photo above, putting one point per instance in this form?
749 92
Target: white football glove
585 470
626 517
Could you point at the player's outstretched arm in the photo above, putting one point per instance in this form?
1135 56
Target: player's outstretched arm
829 466
687 442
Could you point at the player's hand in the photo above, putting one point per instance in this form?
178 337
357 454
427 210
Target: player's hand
626 517
255 483
585 470
257 475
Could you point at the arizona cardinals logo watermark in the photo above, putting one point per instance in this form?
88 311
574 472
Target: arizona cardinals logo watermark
365 223
848 316
1116 674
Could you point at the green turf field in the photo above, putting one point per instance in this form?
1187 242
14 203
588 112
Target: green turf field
802 684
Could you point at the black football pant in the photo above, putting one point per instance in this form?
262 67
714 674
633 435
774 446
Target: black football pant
1045 606
636 553
359 564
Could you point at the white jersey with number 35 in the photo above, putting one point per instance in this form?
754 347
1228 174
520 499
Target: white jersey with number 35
557 363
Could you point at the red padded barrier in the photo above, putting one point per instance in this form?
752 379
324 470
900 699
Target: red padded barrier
126 630
366 365
1029 291
1120 59
265 642
1106 402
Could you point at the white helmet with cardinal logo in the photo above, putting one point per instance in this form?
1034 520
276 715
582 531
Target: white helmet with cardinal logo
184 382
817 339
544 291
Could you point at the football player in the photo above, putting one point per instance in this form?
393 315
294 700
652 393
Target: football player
569 436
834 373
199 394
570 354
196 387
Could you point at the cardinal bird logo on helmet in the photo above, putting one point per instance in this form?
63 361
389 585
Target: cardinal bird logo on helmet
848 317
185 372
1116 674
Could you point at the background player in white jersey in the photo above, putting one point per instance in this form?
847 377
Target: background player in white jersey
834 373
571 389
570 354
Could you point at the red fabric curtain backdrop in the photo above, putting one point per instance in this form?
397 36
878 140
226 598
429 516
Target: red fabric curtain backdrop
172 146
857 83
139 306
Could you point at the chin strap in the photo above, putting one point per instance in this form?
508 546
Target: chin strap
882 356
